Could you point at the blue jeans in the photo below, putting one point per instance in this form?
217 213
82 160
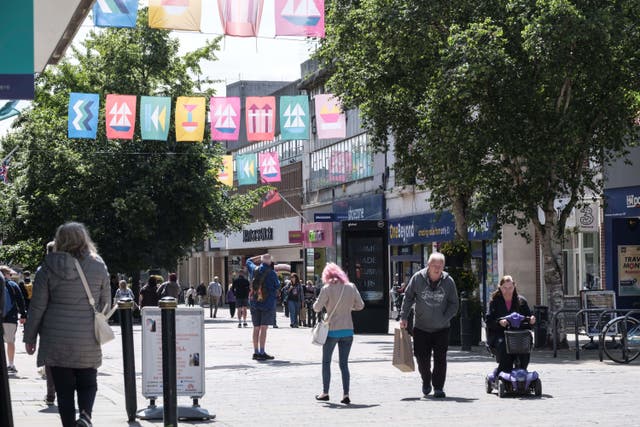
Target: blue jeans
344 347
294 309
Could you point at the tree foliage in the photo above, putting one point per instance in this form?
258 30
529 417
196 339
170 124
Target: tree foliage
499 107
146 203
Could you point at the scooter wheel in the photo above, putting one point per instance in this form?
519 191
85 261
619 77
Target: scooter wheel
488 385
537 389
502 389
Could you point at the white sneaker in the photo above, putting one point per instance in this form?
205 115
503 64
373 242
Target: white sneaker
12 369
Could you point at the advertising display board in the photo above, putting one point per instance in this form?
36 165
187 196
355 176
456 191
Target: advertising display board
189 352
597 299
628 270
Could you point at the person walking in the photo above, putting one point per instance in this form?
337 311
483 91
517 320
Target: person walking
170 288
241 290
63 319
231 300
13 307
262 299
214 293
149 293
294 294
435 296
339 297
190 296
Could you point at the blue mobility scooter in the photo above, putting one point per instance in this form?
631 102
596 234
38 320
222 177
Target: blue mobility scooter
519 381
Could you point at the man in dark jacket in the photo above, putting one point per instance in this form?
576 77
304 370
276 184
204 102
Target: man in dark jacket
10 318
435 296
264 293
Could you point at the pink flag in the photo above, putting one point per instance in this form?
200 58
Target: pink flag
120 114
330 120
269 167
340 166
225 118
261 113
300 18
240 18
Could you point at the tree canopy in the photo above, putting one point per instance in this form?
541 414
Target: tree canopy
146 203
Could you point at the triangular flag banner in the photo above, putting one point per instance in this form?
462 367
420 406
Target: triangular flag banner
246 169
225 175
4 172
269 167
175 14
340 166
272 196
190 113
83 115
330 120
115 13
155 114
362 165
294 117
225 118
261 113
120 116
300 18
240 18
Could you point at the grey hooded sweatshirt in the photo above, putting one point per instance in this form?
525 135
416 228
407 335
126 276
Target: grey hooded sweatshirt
435 303
60 312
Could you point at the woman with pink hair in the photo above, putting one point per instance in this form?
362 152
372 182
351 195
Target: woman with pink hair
340 297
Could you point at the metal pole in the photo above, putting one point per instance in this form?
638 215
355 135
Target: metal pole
125 307
465 323
169 384
6 415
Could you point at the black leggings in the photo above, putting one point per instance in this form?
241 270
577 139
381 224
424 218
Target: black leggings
506 362
68 381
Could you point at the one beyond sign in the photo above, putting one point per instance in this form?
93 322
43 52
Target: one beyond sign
189 352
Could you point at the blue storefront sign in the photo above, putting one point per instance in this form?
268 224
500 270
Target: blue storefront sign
324 217
430 227
359 208
621 202
16 50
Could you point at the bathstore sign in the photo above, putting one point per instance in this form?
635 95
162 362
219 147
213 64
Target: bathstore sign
633 201
258 235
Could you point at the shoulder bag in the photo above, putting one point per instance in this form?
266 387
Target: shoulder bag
321 330
103 331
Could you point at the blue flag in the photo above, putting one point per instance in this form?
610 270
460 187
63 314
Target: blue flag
155 114
83 115
294 117
246 169
115 13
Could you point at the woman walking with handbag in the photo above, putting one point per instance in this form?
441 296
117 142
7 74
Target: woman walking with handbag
63 317
340 298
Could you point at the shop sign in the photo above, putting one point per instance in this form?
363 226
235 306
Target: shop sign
622 202
295 236
258 235
324 217
317 234
360 208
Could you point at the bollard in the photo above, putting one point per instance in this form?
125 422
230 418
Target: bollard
6 414
465 323
125 306
169 382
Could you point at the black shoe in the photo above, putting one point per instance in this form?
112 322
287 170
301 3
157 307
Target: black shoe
324 398
50 401
346 400
275 326
439 394
426 389
239 325
83 421
266 356
244 324
257 356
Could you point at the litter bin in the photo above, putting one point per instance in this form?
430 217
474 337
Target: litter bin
540 328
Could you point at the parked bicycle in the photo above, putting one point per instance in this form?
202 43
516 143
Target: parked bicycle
626 329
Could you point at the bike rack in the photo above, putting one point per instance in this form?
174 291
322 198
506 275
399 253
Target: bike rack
555 327
578 315
624 331
601 336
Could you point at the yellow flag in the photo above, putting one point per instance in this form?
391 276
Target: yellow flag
175 14
190 118
225 176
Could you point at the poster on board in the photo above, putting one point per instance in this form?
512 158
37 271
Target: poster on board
605 300
189 352
628 270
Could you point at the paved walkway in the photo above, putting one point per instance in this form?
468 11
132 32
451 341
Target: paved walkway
241 391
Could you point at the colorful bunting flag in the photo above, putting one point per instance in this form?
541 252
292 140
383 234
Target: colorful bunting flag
120 116
330 120
300 18
225 175
269 167
261 112
294 117
4 172
340 166
155 113
83 115
246 169
272 196
175 14
225 118
190 113
240 18
115 13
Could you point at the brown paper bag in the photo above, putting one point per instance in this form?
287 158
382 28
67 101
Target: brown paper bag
402 351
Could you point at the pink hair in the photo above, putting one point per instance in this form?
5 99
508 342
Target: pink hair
333 271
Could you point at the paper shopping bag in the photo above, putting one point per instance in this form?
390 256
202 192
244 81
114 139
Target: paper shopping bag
402 351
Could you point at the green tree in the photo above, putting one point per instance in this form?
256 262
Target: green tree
498 107
146 203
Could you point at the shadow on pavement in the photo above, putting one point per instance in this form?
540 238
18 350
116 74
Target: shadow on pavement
211 368
49 410
350 406
446 399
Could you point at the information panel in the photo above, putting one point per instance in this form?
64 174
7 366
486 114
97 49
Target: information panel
189 352
365 255
597 299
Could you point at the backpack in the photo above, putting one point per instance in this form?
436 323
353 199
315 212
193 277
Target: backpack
162 290
29 288
257 284
8 300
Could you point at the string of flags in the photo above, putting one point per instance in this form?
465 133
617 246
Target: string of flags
240 18
190 117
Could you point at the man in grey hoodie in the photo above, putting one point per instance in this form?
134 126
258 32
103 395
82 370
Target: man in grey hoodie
435 296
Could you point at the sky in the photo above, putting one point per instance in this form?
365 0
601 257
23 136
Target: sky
263 58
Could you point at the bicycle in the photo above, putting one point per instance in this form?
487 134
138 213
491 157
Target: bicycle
627 329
